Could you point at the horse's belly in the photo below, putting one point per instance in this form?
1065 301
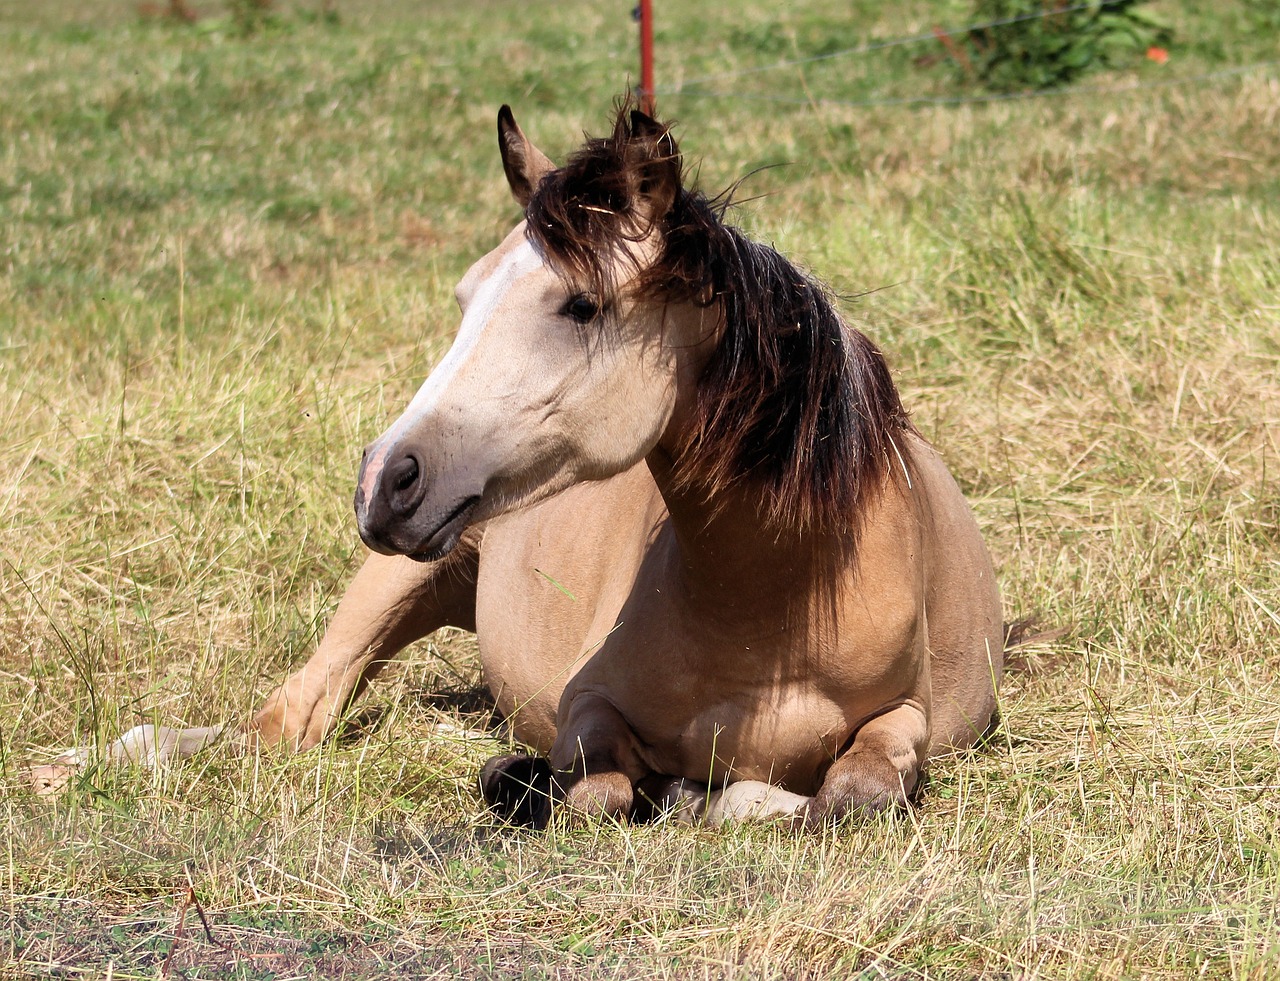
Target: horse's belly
552 579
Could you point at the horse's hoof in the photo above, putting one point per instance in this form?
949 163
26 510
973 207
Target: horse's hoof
820 814
519 788
50 779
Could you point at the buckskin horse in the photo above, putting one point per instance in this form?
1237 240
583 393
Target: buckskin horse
680 502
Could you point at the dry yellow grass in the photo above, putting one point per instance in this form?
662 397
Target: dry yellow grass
228 261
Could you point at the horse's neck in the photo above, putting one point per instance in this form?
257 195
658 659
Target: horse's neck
728 557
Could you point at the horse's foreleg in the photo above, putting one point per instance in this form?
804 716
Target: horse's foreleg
146 745
392 602
596 760
878 771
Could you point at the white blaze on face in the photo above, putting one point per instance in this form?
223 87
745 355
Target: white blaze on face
521 261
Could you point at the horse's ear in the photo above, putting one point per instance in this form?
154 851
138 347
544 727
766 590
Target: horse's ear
658 164
523 162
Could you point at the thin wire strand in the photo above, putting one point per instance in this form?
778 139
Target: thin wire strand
960 100
881 45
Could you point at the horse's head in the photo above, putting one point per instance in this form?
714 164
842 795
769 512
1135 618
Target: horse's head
567 363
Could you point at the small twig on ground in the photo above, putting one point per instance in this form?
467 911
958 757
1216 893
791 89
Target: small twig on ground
204 921
177 930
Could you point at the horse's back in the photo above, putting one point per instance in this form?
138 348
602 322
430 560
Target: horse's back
962 609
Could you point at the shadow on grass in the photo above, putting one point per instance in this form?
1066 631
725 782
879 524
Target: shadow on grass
469 707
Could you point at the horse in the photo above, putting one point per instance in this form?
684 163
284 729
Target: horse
678 499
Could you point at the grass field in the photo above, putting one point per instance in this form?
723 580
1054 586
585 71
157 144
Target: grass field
228 261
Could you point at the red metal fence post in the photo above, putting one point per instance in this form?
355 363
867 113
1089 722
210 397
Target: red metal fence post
646 56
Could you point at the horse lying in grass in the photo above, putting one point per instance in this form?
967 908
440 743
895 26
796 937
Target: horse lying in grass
679 501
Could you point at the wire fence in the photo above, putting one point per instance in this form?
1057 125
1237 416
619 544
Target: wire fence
932 35
692 87
960 100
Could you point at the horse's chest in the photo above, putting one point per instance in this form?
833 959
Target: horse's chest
784 734
709 712
552 579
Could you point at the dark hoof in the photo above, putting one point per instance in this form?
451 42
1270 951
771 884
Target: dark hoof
519 789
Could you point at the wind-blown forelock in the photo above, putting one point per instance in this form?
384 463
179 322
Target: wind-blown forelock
793 399
586 213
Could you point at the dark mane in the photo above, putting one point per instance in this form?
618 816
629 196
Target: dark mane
793 399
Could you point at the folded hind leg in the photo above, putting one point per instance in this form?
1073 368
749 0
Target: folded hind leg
392 602
685 801
879 770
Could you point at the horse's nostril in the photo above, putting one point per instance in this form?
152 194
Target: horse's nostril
408 475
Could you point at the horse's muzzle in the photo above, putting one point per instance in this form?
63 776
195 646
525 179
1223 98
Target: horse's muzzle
399 511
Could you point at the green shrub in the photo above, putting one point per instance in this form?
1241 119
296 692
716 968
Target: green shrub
1045 52
1263 14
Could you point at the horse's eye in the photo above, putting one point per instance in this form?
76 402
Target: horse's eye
582 308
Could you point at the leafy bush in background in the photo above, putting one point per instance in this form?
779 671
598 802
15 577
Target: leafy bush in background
1044 52
1264 14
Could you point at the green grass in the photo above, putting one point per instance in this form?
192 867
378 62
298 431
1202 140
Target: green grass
229 260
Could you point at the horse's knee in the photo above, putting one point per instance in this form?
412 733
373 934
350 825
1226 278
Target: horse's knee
281 723
299 714
879 771
519 789
596 750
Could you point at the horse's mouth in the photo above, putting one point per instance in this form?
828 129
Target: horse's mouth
442 541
